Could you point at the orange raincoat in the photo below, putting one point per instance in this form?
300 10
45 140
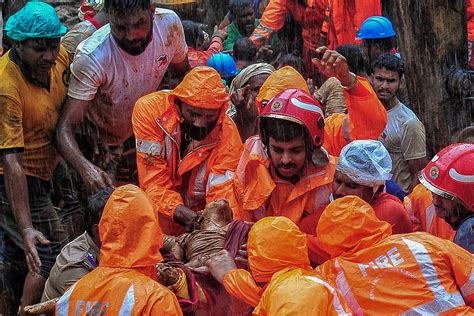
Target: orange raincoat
123 283
419 204
323 22
204 174
406 274
278 258
366 117
347 18
260 193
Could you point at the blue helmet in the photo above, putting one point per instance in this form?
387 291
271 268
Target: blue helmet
376 27
224 64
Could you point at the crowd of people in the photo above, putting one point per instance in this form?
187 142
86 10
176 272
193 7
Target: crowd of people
151 166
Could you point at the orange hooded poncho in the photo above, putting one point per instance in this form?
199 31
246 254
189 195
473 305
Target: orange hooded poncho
124 280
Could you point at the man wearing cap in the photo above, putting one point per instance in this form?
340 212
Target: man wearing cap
32 90
378 37
187 147
362 170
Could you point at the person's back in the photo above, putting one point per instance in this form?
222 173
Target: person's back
123 283
414 273
278 259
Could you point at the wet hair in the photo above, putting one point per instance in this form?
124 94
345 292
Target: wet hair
465 135
125 6
244 49
354 55
238 5
284 131
95 207
192 33
291 60
386 44
389 62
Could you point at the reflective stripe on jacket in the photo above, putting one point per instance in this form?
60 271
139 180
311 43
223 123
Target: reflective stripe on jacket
123 283
419 204
202 176
405 274
278 258
259 193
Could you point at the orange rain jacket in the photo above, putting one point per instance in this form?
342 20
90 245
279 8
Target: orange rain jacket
260 193
324 22
204 174
366 117
406 274
123 283
347 18
278 258
419 204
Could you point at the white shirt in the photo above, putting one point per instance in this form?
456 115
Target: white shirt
114 80
404 137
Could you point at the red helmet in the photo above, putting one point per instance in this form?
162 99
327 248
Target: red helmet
297 106
450 174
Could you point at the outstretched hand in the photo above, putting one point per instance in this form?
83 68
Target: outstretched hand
333 64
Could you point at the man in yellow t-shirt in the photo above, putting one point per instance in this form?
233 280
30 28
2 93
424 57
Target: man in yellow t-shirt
32 90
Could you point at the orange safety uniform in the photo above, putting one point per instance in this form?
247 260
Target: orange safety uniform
323 22
419 204
346 18
407 274
261 193
205 172
366 117
200 57
386 207
278 258
123 283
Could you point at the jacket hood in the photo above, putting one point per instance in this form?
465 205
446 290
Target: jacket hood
129 230
202 88
284 78
348 225
274 244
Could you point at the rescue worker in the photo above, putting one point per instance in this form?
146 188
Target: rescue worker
419 205
450 178
366 118
278 261
323 22
124 282
404 274
94 131
276 173
80 256
187 147
378 37
32 91
195 38
363 168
